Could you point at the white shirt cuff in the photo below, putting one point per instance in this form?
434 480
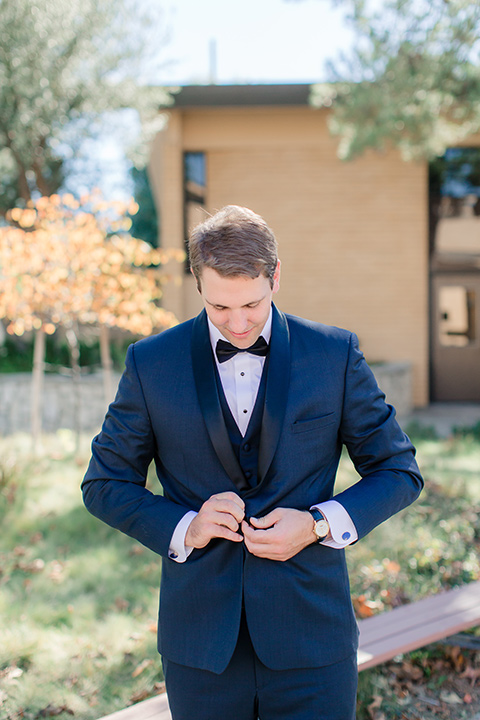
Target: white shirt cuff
177 550
342 529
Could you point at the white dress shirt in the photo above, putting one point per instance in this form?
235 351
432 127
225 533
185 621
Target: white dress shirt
240 377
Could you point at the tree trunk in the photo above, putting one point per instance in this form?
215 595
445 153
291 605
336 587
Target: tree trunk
42 184
37 385
106 364
23 187
72 340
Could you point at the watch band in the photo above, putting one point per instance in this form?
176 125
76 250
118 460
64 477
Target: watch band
321 527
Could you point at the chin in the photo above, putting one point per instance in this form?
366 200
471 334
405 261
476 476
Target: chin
243 342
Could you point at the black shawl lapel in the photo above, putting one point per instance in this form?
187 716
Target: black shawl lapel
204 374
278 380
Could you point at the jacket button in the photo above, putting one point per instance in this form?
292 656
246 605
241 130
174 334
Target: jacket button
246 447
248 474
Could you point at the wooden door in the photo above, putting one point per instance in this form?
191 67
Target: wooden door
456 337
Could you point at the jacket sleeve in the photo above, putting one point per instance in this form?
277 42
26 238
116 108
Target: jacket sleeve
114 484
382 454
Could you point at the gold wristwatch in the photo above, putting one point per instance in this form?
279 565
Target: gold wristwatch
321 528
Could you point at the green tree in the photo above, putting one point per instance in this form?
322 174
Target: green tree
411 81
145 221
65 62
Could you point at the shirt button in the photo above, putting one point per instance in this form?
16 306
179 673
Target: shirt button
173 556
245 411
242 374
346 536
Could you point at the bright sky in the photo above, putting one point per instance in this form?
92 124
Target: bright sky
256 40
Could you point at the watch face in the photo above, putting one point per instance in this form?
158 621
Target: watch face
321 528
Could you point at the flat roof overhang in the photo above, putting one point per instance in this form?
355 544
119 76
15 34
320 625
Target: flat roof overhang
240 95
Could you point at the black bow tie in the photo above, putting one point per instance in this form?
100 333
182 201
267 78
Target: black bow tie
226 350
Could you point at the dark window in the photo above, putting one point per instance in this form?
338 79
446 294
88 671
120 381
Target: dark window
194 192
455 203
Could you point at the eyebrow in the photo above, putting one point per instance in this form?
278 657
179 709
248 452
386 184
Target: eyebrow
219 305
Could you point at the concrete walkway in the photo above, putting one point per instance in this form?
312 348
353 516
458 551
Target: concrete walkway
444 417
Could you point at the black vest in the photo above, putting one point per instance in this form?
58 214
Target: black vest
246 448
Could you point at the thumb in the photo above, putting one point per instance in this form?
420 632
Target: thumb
266 521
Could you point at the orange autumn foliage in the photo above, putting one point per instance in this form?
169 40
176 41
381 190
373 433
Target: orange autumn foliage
64 260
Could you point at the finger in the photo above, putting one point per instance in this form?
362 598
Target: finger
210 515
257 537
267 520
225 506
259 550
199 535
225 520
223 532
233 497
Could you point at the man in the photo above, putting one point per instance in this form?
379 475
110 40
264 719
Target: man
244 411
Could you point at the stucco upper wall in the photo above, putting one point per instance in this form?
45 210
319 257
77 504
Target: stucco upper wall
255 127
352 236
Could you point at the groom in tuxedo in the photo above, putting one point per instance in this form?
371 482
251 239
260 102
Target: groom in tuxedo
244 411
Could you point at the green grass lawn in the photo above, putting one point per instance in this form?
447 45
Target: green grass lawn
78 601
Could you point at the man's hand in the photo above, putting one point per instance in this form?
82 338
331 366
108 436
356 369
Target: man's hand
279 535
219 517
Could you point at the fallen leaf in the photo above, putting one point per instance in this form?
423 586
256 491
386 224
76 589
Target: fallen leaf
451 698
35 566
392 567
140 668
471 673
137 550
139 696
12 672
54 710
121 604
56 571
413 672
374 705
363 607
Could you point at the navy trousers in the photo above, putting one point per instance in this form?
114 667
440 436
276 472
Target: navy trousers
248 690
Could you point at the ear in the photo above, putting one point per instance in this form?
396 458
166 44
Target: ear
276 278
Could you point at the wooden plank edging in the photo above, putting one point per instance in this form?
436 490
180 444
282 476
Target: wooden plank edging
155 707
412 626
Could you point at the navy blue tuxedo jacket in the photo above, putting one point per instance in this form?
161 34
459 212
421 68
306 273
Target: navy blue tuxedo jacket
320 394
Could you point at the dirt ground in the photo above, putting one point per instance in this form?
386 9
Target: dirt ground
440 682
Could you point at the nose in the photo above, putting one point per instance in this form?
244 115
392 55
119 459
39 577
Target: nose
237 321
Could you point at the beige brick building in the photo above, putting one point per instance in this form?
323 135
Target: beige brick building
353 236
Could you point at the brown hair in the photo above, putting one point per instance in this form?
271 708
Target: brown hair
234 241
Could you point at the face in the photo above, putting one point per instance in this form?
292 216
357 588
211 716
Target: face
238 306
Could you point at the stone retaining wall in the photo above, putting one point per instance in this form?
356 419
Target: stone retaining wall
58 398
395 379
58 403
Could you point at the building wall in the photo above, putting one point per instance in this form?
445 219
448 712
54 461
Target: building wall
352 236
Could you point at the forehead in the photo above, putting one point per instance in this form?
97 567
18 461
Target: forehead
232 291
